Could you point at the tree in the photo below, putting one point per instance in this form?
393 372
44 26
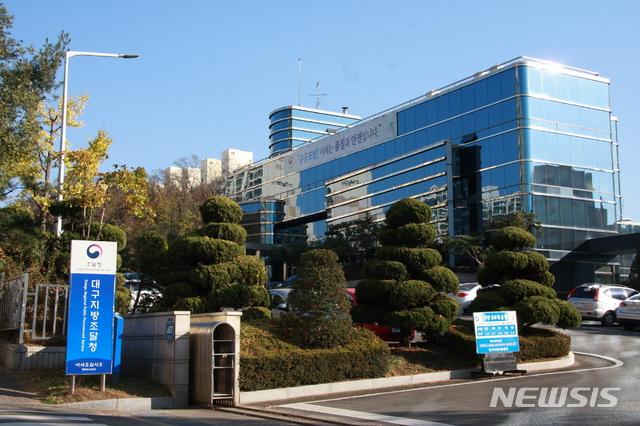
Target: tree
289 253
209 270
148 261
526 221
476 245
353 239
37 179
519 279
26 77
404 283
175 200
469 245
319 307
19 237
90 190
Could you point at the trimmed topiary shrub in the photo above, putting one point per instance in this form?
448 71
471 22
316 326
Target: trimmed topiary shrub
537 309
420 259
178 290
490 301
219 209
407 210
445 306
238 296
251 271
515 290
524 282
569 316
417 234
408 300
224 231
213 277
209 250
371 291
442 279
410 294
512 238
213 267
110 233
386 270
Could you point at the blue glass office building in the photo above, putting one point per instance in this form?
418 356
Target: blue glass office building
526 135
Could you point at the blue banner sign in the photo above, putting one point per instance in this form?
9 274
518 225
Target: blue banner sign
496 332
91 307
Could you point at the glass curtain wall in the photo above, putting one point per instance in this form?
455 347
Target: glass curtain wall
571 157
526 137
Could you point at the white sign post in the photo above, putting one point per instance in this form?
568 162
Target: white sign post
497 338
91 308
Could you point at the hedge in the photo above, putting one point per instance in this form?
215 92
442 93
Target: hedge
536 344
267 362
541 343
366 357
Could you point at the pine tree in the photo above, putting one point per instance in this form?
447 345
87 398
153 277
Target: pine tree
318 314
211 270
405 284
519 279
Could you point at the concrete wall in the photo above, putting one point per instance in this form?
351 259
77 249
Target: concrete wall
146 351
21 357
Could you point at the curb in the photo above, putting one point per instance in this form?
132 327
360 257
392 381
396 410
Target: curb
246 398
387 382
123 404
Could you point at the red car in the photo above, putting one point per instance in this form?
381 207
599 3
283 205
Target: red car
387 334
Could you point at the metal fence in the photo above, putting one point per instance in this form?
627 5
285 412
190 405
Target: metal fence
39 310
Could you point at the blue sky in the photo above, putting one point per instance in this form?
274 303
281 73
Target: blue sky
210 72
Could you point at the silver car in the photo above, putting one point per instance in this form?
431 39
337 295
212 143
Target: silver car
598 302
628 313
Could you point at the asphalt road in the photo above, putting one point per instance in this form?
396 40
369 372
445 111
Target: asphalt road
601 388
597 390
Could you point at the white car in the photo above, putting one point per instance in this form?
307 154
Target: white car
466 295
628 313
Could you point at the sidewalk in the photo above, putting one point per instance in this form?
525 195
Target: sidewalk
13 392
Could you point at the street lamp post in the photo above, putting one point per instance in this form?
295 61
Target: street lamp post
63 132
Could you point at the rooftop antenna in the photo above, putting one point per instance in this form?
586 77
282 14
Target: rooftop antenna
318 95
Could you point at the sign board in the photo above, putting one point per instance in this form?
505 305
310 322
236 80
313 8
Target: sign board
496 332
91 307
169 330
360 136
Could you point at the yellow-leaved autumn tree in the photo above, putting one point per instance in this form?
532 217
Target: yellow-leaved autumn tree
90 189
39 180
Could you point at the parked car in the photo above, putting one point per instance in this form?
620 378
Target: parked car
283 284
598 302
628 313
279 298
466 295
387 334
